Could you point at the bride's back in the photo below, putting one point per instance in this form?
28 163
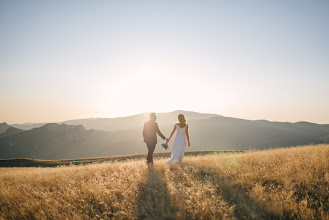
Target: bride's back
180 130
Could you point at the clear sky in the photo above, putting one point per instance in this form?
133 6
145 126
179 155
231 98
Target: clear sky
63 60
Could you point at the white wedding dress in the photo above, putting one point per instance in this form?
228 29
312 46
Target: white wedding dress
179 146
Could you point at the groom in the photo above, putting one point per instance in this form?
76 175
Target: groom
150 132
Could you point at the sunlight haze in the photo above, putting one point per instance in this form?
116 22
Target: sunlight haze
62 60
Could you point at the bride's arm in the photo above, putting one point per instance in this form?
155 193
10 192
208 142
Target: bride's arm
187 136
172 133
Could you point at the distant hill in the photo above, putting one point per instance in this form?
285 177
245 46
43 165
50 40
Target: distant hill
47 142
207 132
61 141
124 123
3 127
239 134
28 126
11 131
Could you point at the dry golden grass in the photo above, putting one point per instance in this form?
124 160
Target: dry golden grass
288 183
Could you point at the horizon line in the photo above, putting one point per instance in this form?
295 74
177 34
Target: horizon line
90 118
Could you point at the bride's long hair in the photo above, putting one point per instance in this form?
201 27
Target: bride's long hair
181 120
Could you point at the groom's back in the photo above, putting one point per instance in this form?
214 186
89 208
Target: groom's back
149 132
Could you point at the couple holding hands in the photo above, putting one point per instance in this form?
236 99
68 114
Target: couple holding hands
182 138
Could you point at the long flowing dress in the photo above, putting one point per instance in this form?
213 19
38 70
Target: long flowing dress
179 146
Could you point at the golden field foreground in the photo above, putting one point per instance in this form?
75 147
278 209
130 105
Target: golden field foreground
290 183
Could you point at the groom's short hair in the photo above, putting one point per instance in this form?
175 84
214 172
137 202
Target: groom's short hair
152 115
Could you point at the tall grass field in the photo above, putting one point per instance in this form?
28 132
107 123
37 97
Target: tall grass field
286 183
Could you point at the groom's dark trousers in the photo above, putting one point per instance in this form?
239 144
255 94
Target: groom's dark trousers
151 148
150 131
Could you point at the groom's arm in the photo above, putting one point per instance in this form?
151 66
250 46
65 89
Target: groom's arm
159 133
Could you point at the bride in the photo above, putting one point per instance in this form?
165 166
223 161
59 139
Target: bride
180 140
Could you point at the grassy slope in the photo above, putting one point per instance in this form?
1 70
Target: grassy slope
26 162
288 183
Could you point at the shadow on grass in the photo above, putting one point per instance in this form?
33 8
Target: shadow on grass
154 199
233 194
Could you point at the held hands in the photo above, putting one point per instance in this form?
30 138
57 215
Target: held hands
167 140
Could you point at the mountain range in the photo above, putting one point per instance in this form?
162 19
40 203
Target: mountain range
99 137
123 123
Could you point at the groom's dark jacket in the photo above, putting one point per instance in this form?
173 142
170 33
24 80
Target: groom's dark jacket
150 132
